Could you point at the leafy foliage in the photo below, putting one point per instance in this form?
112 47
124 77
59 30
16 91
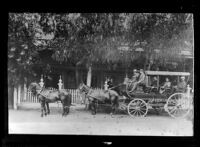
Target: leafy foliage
95 37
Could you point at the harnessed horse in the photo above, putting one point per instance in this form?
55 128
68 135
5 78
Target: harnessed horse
99 96
47 96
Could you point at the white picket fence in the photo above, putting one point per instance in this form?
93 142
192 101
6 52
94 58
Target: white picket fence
33 99
30 98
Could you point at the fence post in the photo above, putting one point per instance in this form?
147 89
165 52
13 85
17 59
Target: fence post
188 90
106 85
15 98
41 81
60 84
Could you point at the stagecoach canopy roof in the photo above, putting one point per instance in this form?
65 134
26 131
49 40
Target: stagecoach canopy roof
167 73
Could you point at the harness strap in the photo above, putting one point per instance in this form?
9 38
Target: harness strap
40 93
116 86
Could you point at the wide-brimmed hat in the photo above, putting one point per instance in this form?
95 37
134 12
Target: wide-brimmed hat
141 69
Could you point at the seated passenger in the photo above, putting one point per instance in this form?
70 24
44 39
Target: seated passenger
135 75
181 87
154 82
166 85
154 87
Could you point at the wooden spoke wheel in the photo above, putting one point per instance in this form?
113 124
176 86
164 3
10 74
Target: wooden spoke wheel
178 105
137 108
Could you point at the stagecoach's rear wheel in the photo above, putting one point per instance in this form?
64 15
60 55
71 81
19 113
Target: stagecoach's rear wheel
137 108
178 105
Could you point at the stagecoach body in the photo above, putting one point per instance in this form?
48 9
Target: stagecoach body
138 105
176 105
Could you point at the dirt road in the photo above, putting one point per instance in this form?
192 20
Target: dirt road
81 122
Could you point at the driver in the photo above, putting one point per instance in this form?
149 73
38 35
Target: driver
132 82
142 80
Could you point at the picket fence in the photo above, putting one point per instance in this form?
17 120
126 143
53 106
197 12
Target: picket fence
30 98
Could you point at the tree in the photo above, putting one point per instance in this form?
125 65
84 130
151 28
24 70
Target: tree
89 38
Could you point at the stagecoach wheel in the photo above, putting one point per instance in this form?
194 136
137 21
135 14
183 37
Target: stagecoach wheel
137 108
178 105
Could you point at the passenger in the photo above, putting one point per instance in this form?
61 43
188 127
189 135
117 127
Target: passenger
166 85
154 82
181 87
135 75
154 87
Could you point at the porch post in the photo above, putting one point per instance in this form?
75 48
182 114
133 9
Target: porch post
158 81
41 81
60 84
25 91
19 94
63 77
15 98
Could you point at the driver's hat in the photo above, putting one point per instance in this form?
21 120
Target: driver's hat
134 70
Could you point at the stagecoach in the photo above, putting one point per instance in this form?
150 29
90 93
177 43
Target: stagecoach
137 103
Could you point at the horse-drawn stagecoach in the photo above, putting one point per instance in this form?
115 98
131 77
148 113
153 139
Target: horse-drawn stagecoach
137 103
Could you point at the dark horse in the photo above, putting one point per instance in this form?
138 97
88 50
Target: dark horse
121 88
99 96
47 96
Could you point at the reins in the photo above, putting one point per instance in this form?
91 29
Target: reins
116 86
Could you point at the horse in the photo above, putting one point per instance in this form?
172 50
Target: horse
47 96
99 96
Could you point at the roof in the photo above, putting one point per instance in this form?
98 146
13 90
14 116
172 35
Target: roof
167 73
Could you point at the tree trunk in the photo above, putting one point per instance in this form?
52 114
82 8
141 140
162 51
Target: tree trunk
89 76
25 91
77 77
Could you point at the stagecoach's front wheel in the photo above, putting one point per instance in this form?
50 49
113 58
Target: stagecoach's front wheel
178 105
137 108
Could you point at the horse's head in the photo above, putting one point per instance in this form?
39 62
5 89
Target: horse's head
34 88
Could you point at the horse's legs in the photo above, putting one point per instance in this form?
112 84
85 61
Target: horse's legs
63 113
48 110
42 108
45 110
93 107
114 104
67 110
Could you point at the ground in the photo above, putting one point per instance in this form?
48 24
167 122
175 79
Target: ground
80 121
